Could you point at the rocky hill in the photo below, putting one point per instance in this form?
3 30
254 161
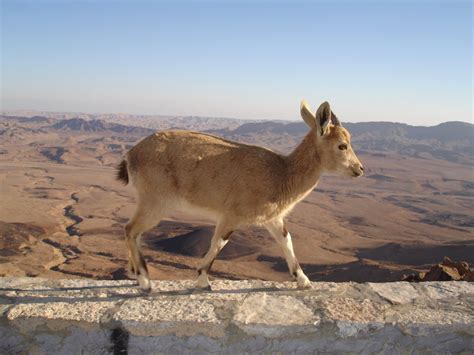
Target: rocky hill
451 141
197 123
80 124
412 208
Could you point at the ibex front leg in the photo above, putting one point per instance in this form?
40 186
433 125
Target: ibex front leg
282 236
219 240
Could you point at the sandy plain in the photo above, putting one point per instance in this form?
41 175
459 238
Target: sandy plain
62 215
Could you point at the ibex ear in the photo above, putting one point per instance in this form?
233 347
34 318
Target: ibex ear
335 120
307 115
323 118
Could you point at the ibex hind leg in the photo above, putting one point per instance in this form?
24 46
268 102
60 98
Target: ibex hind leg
219 240
132 269
143 220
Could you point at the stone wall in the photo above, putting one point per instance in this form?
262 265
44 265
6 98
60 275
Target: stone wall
87 316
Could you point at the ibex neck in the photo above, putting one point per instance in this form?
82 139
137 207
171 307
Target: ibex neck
304 167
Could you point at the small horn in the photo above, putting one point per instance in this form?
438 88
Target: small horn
335 120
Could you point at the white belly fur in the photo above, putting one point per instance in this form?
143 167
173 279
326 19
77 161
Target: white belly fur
186 209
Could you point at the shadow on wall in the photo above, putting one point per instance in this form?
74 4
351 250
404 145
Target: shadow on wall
130 290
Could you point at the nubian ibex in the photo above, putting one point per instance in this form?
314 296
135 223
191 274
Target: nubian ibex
236 184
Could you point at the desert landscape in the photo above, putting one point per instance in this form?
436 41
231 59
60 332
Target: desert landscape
62 212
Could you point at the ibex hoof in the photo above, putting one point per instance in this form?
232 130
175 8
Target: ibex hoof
206 288
145 290
203 281
144 283
303 282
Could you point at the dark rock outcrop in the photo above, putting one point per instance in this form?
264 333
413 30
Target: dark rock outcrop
447 270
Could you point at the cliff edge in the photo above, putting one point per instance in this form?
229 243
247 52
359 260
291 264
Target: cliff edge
89 316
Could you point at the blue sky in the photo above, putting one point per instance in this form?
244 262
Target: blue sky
404 61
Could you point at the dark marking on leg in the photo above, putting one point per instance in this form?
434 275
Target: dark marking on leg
285 231
224 238
294 269
199 272
210 265
132 269
142 263
227 236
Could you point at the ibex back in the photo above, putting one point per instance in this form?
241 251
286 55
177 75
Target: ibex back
236 184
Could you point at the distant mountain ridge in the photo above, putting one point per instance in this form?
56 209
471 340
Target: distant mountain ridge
451 141
198 123
448 141
80 124
444 132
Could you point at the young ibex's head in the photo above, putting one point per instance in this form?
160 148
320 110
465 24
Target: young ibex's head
333 142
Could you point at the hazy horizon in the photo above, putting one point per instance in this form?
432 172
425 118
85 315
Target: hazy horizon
389 61
59 113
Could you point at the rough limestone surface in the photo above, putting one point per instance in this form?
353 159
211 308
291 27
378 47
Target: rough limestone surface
42 316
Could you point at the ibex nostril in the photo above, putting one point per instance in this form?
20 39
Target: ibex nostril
361 168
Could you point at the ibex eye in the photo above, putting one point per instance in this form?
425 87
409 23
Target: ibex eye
343 146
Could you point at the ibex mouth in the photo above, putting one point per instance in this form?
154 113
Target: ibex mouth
356 174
